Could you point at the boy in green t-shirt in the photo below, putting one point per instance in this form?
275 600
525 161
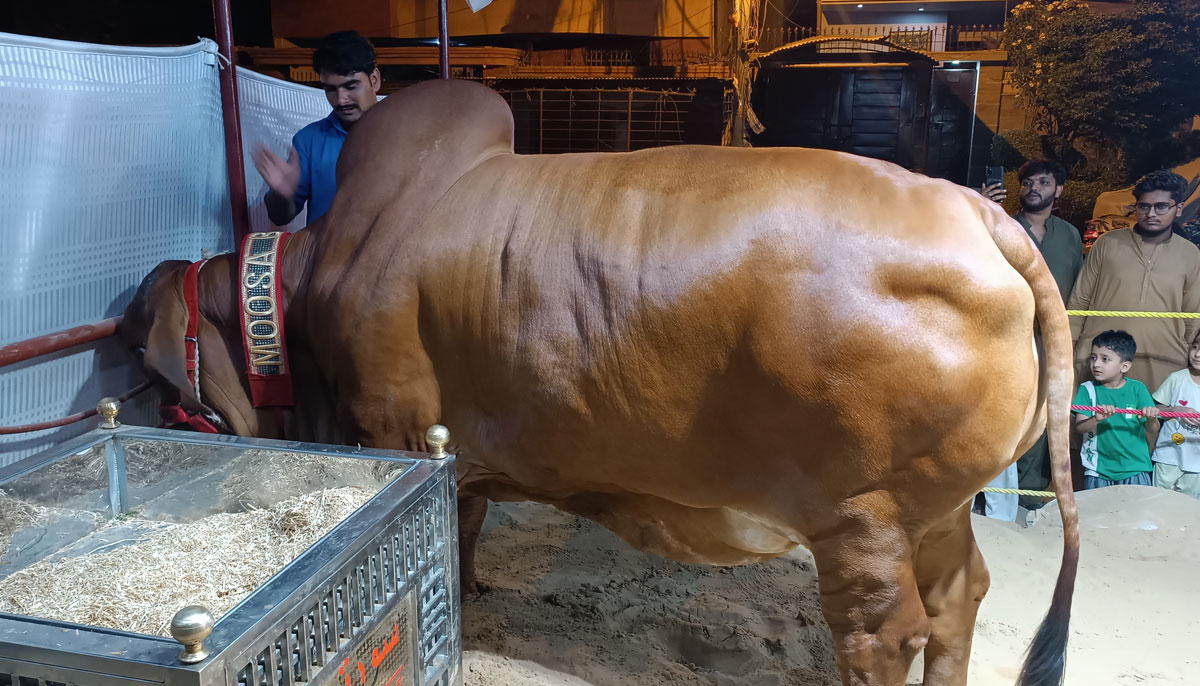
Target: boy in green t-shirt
1116 447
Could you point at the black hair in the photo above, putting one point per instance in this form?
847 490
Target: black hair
1119 342
1035 167
344 53
1162 180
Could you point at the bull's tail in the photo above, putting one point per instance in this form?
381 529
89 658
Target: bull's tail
1045 662
1046 659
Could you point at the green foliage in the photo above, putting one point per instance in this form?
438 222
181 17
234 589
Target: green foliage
1078 200
1127 79
1012 148
1109 170
1012 185
1015 147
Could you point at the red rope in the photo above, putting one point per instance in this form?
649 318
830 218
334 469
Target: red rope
77 417
1164 415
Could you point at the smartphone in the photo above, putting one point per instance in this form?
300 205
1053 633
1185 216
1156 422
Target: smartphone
993 176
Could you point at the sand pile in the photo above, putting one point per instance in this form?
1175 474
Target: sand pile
569 603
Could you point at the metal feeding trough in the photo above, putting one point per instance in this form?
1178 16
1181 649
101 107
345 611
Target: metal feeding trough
373 601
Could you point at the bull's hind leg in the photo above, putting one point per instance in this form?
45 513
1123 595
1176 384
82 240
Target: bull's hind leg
953 579
869 594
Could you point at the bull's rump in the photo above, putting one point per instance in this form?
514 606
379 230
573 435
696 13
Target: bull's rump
760 330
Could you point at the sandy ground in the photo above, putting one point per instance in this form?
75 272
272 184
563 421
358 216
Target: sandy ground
569 604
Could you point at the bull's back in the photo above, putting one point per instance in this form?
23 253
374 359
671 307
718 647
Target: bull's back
692 320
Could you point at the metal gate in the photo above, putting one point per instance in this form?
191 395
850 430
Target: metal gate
871 111
951 123
916 116
559 120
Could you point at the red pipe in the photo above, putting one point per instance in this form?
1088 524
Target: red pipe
443 41
59 340
77 417
233 121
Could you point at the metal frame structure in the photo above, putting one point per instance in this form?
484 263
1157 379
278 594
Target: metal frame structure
233 122
394 561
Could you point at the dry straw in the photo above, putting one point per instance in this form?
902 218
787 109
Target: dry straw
216 562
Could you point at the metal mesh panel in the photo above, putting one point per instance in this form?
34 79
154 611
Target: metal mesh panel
111 160
106 168
933 36
272 112
557 120
411 556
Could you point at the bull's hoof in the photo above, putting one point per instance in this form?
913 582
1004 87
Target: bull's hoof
472 590
469 588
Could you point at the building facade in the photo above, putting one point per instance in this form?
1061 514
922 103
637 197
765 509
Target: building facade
922 84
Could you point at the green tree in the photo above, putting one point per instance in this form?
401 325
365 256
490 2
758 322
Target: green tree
1124 81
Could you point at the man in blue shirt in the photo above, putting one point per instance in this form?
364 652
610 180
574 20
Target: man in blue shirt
345 63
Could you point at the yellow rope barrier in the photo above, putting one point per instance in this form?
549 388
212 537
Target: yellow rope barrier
1121 313
1020 491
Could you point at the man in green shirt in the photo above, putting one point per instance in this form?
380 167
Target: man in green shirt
1061 244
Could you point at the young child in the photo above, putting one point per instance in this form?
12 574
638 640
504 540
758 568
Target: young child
1177 453
1116 447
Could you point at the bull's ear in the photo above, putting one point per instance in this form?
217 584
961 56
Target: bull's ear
165 354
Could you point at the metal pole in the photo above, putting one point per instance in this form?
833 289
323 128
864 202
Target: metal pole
232 121
974 118
59 340
443 41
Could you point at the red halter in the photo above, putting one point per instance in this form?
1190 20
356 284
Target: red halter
175 414
267 368
191 300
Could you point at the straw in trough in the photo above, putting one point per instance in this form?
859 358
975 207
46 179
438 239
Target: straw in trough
15 515
215 561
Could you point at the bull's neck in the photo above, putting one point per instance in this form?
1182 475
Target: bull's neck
218 285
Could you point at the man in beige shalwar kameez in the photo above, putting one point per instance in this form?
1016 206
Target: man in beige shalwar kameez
1149 269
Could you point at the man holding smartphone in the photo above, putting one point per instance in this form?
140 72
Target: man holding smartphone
1061 244
1059 241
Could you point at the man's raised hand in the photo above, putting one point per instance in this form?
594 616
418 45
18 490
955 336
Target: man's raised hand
282 176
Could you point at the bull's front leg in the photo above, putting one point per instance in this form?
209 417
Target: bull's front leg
382 378
389 399
393 418
401 432
472 510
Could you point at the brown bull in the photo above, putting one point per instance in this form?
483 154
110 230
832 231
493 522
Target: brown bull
718 354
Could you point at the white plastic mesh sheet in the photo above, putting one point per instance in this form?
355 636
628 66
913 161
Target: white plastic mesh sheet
272 112
111 160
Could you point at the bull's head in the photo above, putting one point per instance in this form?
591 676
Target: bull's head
153 330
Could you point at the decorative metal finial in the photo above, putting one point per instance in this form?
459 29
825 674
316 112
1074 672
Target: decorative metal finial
437 437
190 626
108 409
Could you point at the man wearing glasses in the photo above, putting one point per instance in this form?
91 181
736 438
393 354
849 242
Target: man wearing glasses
1148 268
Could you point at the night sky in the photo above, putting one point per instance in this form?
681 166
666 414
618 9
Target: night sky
134 22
